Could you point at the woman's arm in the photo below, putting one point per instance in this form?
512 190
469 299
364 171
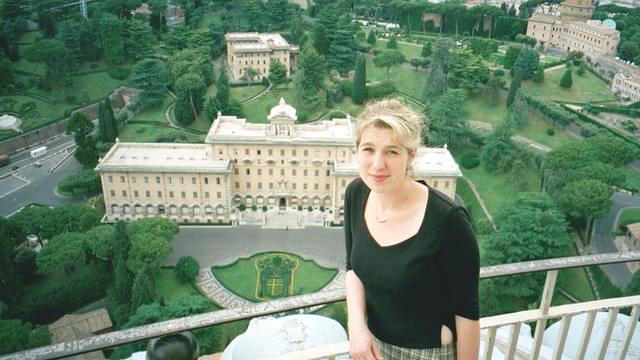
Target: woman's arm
362 344
468 344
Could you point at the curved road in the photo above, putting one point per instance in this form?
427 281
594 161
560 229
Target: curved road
601 237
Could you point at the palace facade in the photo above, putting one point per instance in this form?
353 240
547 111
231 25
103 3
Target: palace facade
258 50
280 165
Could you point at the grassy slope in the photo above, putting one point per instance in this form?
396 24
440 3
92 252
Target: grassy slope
586 87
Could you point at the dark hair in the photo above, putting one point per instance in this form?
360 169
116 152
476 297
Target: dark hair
181 346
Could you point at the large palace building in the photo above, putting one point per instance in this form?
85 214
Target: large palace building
574 31
258 50
281 165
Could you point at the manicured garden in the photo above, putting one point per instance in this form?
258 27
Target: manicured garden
407 81
169 286
242 277
409 50
587 87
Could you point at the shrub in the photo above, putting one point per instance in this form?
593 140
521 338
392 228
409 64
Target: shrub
380 90
242 207
336 114
498 72
118 73
299 207
470 159
589 130
84 182
187 269
264 208
254 207
551 131
347 87
321 208
70 99
310 208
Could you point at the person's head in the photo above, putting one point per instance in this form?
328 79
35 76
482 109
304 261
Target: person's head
387 138
180 346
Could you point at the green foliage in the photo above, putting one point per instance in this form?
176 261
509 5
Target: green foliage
633 288
551 131
448 119
499 150
111 30
139 40
467 70
320 40
297 31
550 109
143 290
426 49
100 240
118 73
150 245
56 58
470 159
86 181
371 38
16 335
187 269
309 78
526 64
530 228
277 72
359 91
122 283
441 60
584 199
107 122
380 90
62 250
567 79
483 47
223 92
519 110
538 76
190 91
513 89
341 55
150 76
190 61
392 42
388 58
510 57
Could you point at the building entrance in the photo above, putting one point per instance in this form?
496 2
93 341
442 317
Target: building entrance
282 204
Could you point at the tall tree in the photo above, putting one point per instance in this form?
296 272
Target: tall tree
190 61
426 49
276 11
309 78
81 127
392 43
107 125
297 31
387 59
223 95
70 34
139 40
526 64
511 56
143 290
47 24
586 200
62 251
467 70
89 43
254 10
320 40
448 118
530 228
341 54
499 150
441 60
493 88
513 89
519 111
371 38
277 72
6 73
122 282
111 30
150 76
11 9
190 89
56 58
359 91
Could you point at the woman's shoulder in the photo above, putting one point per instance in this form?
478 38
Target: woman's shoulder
357 187
443 203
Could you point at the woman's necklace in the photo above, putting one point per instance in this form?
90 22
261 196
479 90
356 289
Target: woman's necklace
384 219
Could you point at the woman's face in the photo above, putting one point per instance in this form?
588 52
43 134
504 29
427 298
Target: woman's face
382 161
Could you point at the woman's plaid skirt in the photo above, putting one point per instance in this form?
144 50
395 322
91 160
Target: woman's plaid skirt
392 352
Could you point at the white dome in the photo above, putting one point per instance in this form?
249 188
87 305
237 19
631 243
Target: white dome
269 337
283 109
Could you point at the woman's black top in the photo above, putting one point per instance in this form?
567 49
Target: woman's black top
414 287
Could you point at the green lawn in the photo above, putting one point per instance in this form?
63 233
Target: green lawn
98 86
496 189
152 133
409 50
629 216
24 65
241 277
243 93
536 129
633 176
407 81
586 87
45 112
169 287
576 282
156 113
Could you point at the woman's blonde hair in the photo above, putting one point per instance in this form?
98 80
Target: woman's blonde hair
405 123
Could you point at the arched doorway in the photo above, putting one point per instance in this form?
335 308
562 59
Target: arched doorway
282 203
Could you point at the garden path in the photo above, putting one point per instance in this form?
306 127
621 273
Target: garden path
216 292
516 138
472 186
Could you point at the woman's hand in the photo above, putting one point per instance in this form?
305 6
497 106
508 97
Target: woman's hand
362 344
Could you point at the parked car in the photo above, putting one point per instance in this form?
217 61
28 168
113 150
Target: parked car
15 167
37 164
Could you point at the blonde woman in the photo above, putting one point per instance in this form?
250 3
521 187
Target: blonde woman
412 257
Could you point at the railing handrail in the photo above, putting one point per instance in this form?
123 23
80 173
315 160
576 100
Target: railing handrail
122 337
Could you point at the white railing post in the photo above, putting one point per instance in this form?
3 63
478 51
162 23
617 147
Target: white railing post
513 340
611 321
628 334
545 303
557 351
586 334
489 343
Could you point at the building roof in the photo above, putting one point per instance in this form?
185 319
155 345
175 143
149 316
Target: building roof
162 157
544 18
283 109
73 327
433 162
253 41
595 27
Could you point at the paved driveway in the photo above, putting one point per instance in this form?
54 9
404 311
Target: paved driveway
223 245
602 242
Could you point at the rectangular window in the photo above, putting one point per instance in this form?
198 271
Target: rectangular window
147 193
135 193
270 186
171 194
328 172
110 178
248 171
246 151
259 186
306 153
113 193
293 186
435 183
237 185
304 186
281 152
206 181
181 180
326 186
183 194
195 194
133 179
270 151
122 179
248 185
446 184
124 192
316 186
235 151
206 194
343 182
218 195
193 181
316 172
146 179
293 152
159 194
281 172
170 180
217 181
258 152
270 171
259 171
293 172
305 172
236 171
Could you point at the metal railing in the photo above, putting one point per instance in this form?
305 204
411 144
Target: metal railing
541 315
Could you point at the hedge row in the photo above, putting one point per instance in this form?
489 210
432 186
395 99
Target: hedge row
624 110
85 182
613 131
553 111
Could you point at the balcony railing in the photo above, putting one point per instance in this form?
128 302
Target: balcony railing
540 316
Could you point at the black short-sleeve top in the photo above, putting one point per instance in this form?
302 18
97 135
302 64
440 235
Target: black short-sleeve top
414 287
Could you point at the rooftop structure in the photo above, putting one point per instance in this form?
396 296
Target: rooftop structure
73 327
257 51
